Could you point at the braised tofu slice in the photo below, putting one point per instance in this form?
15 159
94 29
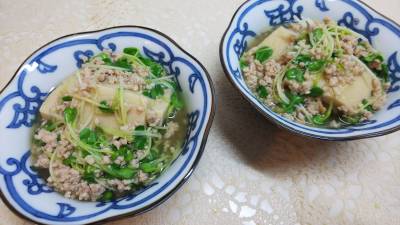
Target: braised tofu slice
157 109
140 109
279 40
350 96
135 104
48 109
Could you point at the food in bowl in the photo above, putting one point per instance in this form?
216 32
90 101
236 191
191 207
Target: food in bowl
109 129
317 73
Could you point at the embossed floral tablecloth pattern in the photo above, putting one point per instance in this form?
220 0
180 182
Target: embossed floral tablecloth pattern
251 172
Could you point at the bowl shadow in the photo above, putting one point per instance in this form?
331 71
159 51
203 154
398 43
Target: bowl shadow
260 143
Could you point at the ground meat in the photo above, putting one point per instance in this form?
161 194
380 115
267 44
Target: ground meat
300 87
90 159
86 79
46 136
120 185
376 64
318 53
119 160
142 71
68 181
64 148
61 107
345 73
334 124
106 160
286 58
250 74
271 68
314 106
142 176
141 154
42 161
303 26
119 142
349 44
362 50
328 21
302 45
172 127
260 74
153 118
135 163
131 81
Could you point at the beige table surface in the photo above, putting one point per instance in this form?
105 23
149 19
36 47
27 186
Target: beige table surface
251 172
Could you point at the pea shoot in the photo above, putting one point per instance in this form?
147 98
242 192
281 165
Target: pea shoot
316 92
262 91
263 54
323 119
67 98
295 74
105 107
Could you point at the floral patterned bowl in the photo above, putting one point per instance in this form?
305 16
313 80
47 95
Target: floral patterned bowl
256 16
25 192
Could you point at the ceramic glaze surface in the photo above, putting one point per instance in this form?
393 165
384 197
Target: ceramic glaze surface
251 172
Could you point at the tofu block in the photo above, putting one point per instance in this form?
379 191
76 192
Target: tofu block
279 40
352 95
138 106
135 103
48 108
158 108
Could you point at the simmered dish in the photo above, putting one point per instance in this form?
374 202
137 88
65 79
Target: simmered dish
317 73
110 128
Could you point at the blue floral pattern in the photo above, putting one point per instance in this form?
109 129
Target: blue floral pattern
80 56
283 14
349 21
321 5
241 43
394 71
29 103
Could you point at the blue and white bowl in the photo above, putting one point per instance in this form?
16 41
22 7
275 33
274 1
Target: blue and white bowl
255 17
27 194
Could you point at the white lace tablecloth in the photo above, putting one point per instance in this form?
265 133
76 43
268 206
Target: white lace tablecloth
251 172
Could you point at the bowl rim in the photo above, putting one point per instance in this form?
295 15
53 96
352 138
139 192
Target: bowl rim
202 144
283 125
